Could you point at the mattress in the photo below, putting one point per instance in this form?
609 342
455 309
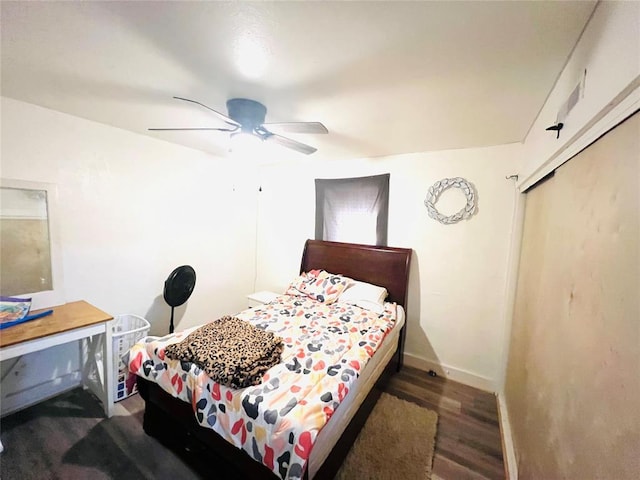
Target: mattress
332 431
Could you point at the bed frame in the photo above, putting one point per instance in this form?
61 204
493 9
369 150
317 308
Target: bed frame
172 421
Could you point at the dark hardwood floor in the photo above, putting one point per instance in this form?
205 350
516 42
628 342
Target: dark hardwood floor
67 437
468 443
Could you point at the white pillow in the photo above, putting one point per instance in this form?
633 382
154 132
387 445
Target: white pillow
365 295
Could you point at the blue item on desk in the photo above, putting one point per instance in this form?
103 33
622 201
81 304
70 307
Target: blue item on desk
25 319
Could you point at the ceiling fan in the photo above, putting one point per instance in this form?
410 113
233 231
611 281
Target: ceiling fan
246 118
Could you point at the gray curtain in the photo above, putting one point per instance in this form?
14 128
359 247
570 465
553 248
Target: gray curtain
353 210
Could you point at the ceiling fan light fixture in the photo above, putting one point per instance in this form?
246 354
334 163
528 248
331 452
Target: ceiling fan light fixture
245 144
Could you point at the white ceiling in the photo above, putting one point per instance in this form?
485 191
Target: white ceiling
384 77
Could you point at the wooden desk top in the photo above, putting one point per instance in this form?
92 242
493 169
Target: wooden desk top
64 318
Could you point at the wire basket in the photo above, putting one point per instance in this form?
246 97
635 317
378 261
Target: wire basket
127 330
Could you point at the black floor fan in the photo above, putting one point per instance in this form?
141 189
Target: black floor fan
178 287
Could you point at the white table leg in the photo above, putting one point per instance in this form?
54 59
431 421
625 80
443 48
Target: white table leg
97 368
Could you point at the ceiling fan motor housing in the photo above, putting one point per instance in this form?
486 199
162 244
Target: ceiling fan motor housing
248 113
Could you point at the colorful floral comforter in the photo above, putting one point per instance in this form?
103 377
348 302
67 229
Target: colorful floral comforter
276 422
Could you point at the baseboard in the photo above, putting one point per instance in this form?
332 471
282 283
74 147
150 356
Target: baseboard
508 450
455 374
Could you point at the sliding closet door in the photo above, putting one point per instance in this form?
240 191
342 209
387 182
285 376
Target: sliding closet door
573 377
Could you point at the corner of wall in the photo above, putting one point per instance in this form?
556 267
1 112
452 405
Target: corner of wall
511 283
452 373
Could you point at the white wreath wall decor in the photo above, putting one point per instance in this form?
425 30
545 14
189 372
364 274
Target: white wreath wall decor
436 190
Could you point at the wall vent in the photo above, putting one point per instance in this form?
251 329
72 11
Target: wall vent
575 96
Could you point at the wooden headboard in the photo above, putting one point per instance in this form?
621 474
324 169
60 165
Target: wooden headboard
384 266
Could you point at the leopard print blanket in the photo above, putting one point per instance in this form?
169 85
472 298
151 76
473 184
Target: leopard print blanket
232 352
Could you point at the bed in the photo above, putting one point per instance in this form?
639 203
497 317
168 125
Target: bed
172 419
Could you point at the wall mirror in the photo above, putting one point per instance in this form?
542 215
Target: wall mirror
30 255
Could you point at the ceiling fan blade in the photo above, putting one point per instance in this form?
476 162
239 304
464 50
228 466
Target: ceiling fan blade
299 127
287 142
204 128
224 118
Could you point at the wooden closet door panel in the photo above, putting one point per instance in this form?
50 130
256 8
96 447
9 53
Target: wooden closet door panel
573 381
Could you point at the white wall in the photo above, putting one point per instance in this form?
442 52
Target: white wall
458 274
131 209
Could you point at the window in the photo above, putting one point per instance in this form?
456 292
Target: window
353 210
